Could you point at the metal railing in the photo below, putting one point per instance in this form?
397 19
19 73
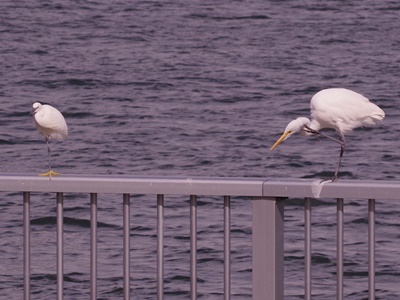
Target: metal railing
268 218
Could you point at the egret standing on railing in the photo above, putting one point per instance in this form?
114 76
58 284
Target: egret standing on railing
51 124
336 108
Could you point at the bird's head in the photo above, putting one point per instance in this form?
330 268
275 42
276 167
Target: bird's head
35 107
294 126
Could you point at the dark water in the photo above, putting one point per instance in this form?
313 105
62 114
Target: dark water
194 88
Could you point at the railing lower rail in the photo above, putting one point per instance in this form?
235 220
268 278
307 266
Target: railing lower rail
268 242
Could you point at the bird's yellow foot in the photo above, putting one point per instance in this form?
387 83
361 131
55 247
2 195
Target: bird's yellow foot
49 174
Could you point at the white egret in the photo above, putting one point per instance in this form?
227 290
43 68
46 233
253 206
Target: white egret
337 108
51 124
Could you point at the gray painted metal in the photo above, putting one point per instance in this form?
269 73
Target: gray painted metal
371 249
93 246
27 247
227 247
339 250
60 247
267 218
126 246
160 247
389 190
133 185
193 247
268 249
307 248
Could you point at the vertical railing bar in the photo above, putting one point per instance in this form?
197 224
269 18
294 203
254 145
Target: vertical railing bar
193 247
227 247
307 247
160 247
93 246
60 247
340 248
27 247
371 249
126 245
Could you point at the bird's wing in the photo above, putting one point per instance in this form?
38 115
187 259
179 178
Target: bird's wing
344 110
51 123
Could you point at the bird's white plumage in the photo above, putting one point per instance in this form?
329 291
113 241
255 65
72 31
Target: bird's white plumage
50 122
337 108
343 110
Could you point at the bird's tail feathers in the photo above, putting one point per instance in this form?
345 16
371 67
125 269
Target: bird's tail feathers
378 116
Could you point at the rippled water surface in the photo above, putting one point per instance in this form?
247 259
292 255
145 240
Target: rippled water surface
194 88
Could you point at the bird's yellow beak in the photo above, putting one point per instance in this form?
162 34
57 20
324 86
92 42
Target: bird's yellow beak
281 139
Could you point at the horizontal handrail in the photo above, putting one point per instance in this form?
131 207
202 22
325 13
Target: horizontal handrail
253 187
133 185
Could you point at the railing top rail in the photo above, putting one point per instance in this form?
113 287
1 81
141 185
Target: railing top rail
133 185
315 188
230 186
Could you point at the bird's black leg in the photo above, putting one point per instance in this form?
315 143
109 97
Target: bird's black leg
310 130
48 152
317 133
50 173
341 141
342 147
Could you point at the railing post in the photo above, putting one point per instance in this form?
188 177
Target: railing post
93 246
126 245
227 247
27 247
193 247
307 247
160 247
371 249
340 206
60 246
268 264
